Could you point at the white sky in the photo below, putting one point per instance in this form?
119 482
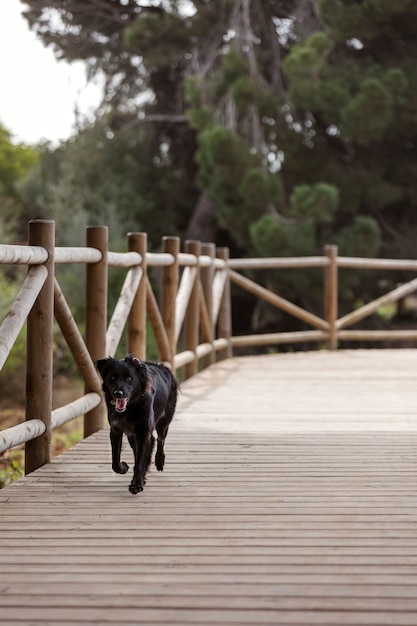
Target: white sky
37 93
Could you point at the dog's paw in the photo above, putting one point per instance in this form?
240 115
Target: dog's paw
121 469
160 462
135 488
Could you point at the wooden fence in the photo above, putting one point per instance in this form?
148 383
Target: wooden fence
191 323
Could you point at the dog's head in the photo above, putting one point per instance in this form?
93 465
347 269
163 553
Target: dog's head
123 380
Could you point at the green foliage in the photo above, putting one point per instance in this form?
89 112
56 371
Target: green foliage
299 232
274 237
16 160
258 190
317 203
11 467
382 193
241 188
223 159
101 178
164 27
244 93
234 68
367 116
304 65
359 96
362 238
365 20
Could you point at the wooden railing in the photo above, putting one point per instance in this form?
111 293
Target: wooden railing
191 323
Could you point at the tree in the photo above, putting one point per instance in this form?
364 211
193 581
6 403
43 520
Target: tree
16 159
142 107
100 177
164 54
352 89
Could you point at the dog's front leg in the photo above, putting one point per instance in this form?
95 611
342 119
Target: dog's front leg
138 478
142 448
116 438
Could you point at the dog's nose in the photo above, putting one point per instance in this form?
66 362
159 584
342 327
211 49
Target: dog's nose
118 393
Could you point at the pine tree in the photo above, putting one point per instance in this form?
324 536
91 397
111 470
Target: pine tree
352 89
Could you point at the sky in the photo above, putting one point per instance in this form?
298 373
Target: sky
38 94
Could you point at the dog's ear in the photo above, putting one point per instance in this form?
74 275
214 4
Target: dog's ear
103 364
140 367
137 363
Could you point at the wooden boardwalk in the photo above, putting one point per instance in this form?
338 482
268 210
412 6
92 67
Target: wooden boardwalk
289 497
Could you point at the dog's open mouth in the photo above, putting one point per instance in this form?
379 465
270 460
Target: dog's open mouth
120 404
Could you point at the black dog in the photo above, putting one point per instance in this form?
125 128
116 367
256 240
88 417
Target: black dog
140 396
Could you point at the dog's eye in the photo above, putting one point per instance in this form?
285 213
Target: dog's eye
112 378
129 379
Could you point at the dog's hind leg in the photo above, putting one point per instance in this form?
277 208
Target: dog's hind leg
163 423
162 430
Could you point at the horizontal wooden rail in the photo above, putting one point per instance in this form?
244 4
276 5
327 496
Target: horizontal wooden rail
22 433
377 335
162 259
29 430
271 339
123 259
22 255
77 255
266 263
376 264
74 409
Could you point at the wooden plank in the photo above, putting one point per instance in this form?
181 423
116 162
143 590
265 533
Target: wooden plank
161 616
216 589
274 601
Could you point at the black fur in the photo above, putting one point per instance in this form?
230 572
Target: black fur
141 396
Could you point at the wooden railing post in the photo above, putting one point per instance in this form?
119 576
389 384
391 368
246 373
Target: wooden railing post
39 351
225 313
136 334
331 295
192 316
207 275
96 315
170 276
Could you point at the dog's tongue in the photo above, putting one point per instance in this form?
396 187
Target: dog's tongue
121 404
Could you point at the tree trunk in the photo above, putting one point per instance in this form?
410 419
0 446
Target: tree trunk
203 223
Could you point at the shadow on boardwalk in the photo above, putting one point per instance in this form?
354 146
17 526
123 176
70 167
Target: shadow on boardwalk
289 497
